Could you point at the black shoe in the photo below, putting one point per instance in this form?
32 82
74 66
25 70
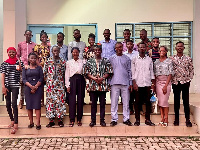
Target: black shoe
31 125
50 124
137 123
103 124
92 124
188 123
61 124
149 123
113 123
38 127
127 122
84 103
176 123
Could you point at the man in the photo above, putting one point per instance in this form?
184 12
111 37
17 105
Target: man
183 74
154 52
97 70
127 35
143 77
108 45
143 37
121 82
63 48
23 50
77 43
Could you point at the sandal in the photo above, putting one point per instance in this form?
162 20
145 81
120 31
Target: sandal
31 125
165 124
14 130
79 123
10 125
71 124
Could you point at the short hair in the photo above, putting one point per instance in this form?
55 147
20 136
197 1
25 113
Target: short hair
61 34
32 53
118 43
164 47
91 35
76 30
28 31
43 33
74 49
127 30
179 42
106 29
142 43
129 41
143 30
155 38
56 47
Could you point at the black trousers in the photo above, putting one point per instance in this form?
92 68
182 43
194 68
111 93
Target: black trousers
185 96
14 109
94 95
132 98
142 96
77 88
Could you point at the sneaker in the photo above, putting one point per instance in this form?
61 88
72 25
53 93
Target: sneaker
127 122
176 123
50 124
103 124
113 123
188 123
149 123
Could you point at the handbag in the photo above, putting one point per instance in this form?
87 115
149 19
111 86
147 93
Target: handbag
154 103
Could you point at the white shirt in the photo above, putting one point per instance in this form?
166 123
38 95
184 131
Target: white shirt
142 70
73 67
131 55
81 45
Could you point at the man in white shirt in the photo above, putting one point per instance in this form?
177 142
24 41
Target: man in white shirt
143 77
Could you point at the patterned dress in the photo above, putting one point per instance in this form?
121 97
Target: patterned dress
54 71
43 53
88 53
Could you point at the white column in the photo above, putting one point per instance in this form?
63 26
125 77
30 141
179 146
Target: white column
195 87
1 41
20 20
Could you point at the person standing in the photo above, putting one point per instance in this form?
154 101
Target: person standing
23 50
77 43
143 37
10 78
108 45
54 72
97 70
154 52
121 82
75 84
143 79
127 35
163 70
89 51
33 80
183 74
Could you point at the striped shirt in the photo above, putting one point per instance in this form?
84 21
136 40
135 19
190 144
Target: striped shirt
12 75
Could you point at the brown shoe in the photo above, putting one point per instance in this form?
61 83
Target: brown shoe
21 103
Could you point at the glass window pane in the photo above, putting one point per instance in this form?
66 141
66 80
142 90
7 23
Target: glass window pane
139 27
182 29
121 28
166 42
162 30
187 44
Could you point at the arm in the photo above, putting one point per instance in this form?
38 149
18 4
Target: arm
166 84
67 76
191 69
18 52
133 70
41 78
4 89
69 52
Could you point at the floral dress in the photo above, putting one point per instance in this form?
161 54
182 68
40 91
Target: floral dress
54 72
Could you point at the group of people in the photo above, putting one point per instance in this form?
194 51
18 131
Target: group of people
127 70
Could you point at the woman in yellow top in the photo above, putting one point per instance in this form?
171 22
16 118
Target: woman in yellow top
43 52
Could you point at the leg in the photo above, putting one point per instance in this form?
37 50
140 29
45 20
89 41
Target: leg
72 104
185 97
8 106
15 92
148 103
125 97
137 105
21 102
177 92
38 115
161 113
30 115
93 99
131 101
115 92
102 99
42 100
166 111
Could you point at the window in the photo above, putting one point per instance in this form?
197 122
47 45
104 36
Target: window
168 33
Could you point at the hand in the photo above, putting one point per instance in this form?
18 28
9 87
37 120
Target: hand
99 80
135 87
68 90
164 89
95 79
33 91
130 88
153 87
26 67
33 88
4 90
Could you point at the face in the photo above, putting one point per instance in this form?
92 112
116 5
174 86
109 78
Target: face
97 51
91 41
11 53
60 38
162 52
142 48
77 34
129 45
32 59
28 35
106 34
43 38
155 43
180 48
127 35
56 52
119 49
75 53
143 35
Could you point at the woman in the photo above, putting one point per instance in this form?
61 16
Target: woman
43 52
163 70
75 84
10 70
54 72
89 51
33 79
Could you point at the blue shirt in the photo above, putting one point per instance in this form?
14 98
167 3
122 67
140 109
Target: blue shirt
63 52
108 48
121 70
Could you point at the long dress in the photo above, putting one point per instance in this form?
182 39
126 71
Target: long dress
33 101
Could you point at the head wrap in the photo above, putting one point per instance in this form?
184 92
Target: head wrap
10 60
